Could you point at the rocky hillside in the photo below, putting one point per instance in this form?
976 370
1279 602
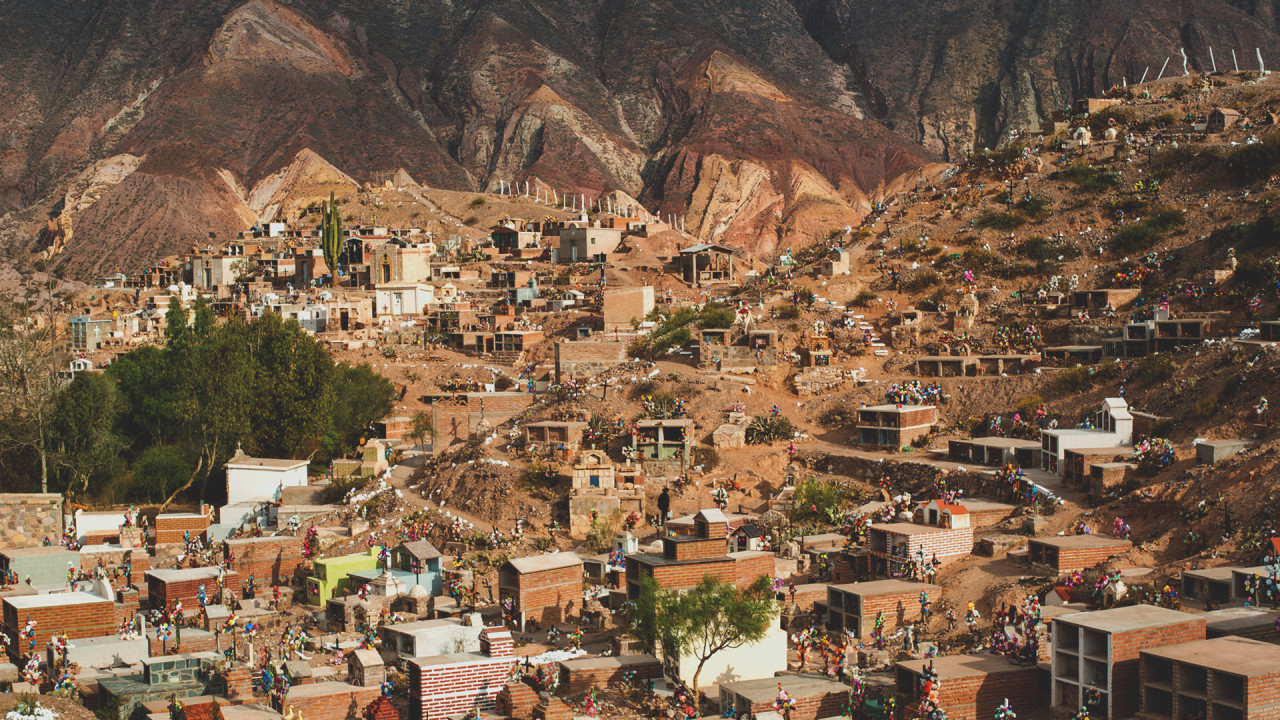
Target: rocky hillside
131 129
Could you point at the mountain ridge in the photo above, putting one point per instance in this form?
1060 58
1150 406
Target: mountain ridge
761 123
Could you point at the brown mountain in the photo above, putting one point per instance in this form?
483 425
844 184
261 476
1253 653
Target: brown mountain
140 126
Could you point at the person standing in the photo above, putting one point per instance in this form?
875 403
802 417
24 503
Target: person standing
664 507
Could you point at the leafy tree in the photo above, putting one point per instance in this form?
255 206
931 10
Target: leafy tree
292 386
360 396
421 428
148 414
159 470
179 411
82 430
220 383
710 617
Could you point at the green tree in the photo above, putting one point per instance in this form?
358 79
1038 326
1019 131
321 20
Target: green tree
220 383
710 617
360 397
421 428
83 431
160 469
292 387
148 415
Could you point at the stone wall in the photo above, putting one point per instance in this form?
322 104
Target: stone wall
915 477
26 519
583 358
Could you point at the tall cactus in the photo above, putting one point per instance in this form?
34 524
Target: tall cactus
331 236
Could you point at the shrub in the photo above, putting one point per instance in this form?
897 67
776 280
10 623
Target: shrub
1072 380
1136 237
1121 114
839 418
543 481
642 388
1253 272
818 501
1155 369
707 457
1047 252
660 405
768 428
1034 208
716 316
1255 162
1027 406
1087 177
676 338
981 259
599 432
478 202
1128 204
790 311
998 158
992 220
1261 233
922 281
863 299
1147 232
600 537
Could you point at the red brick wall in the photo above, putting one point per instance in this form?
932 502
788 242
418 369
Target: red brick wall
451 420
898 608
349 701
809 708
557 588
238 682
172 528
1262 697
574 681
747 569
85 620
808 595
987 518
1080 558
977 697
517 700
699 549
126 607
436 691
164 595
191 643
1125 650
679 577
922 416
138 559
268 560
1264 633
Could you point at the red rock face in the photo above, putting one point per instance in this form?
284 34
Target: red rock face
759 123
